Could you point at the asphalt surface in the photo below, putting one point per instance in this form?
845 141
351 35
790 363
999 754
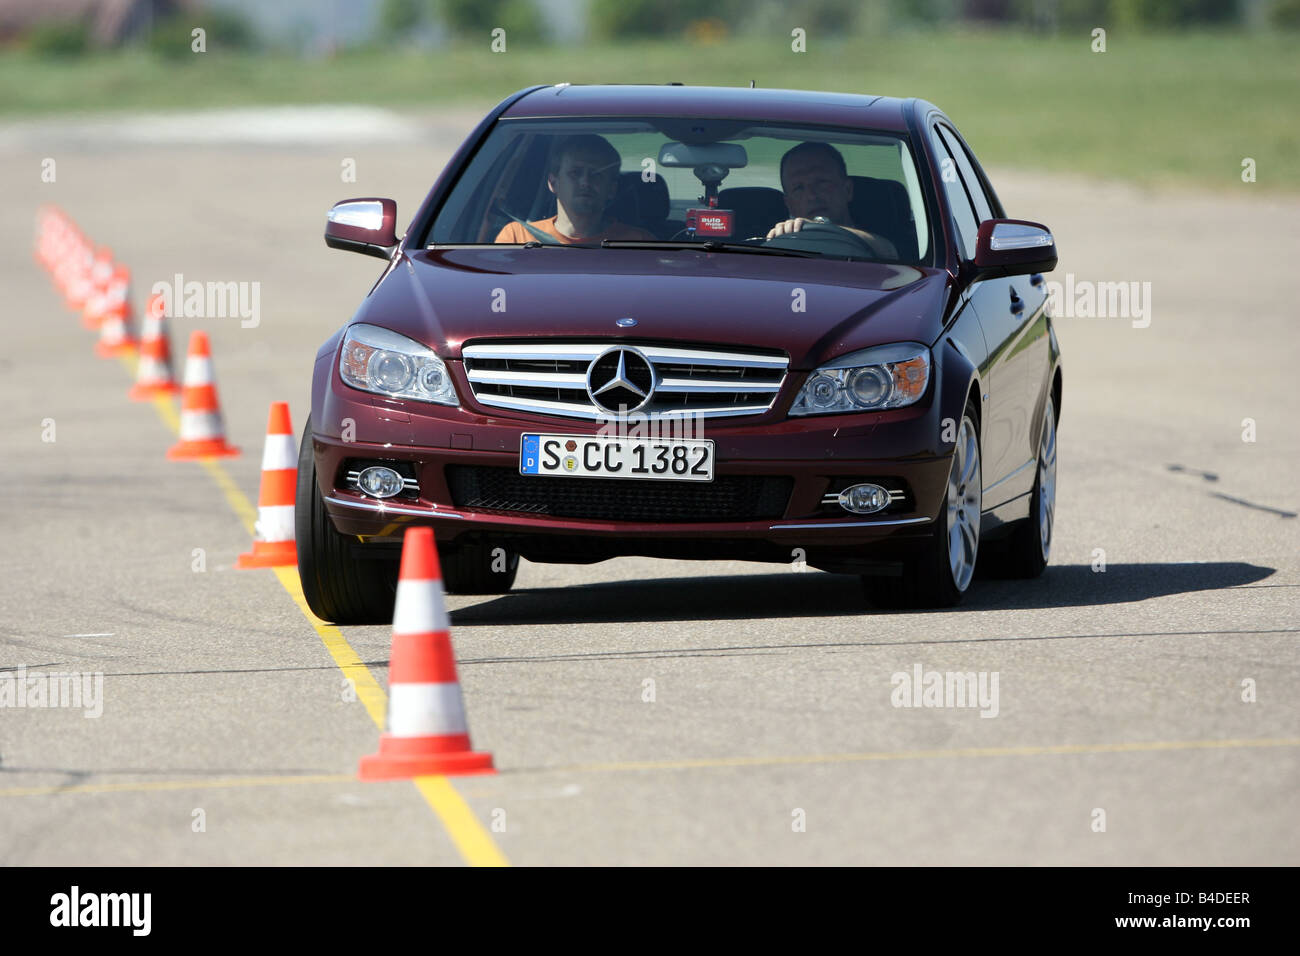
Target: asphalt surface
1119 691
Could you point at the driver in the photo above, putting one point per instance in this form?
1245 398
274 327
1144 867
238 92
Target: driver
818 189
583 174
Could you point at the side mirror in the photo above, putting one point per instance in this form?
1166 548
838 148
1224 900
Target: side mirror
1012 247
363 225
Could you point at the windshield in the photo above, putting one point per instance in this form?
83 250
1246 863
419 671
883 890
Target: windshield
614 182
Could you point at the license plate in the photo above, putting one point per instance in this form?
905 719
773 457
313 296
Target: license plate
594 456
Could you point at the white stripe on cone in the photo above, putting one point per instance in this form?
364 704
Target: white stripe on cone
274 523
198 370
422 710
279 453
114 330
200 426
151 372
419 607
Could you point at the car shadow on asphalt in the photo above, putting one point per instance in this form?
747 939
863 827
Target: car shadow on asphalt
813 594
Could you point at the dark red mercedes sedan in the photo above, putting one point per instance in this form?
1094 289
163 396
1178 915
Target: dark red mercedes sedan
690 323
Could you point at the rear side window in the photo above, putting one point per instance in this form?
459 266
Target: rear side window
974 188
963 212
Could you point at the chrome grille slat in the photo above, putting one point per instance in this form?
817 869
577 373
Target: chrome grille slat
708 385
550 378
545 379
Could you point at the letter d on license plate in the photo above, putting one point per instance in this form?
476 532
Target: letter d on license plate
596 456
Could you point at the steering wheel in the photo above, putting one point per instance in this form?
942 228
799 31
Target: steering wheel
827 238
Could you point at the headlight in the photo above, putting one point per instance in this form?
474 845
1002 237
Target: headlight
380 361
889 376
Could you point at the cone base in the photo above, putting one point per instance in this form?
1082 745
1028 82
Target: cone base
146 393
112 351
210 448
269 554
382 766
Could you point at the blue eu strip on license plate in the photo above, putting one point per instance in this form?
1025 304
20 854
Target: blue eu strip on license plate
529 454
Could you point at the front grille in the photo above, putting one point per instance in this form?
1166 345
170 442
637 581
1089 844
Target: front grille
551 379
726 498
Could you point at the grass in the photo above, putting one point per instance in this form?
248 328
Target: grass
1153 108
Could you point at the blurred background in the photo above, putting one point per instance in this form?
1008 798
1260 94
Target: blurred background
1177 90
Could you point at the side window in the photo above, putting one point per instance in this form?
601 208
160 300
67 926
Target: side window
983 208
963 214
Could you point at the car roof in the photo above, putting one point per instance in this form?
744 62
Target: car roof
854 110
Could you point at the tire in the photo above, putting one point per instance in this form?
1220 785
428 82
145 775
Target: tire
478 567
339 585
1025 552
941 574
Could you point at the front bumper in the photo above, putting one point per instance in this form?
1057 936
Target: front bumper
813 456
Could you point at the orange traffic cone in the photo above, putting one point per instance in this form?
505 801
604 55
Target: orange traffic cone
427 733
202 432
82 285
112 293
70 255
154 374
273 545
47 232
115 336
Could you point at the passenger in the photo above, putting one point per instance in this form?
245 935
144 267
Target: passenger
817 188
583 174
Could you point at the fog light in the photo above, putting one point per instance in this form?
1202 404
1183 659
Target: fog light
380 482
864 499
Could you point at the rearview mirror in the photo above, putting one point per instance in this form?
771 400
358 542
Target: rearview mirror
1013 247
726 155
367 226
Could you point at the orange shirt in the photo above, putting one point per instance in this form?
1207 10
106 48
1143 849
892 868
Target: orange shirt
515 232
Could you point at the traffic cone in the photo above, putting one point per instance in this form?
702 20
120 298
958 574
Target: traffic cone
427 733
83 284
115 336
154 374
273 545
69 260
202 432
47 228
109 291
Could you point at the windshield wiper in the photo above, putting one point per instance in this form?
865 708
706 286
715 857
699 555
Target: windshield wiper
534 244
708 245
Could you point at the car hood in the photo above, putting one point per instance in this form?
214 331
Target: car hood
811 309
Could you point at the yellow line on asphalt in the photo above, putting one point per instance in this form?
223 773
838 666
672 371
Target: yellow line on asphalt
368 691
465 830
151 785
242 507
1061 749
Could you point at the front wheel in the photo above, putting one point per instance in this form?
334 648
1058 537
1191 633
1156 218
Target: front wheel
339 585
940 575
